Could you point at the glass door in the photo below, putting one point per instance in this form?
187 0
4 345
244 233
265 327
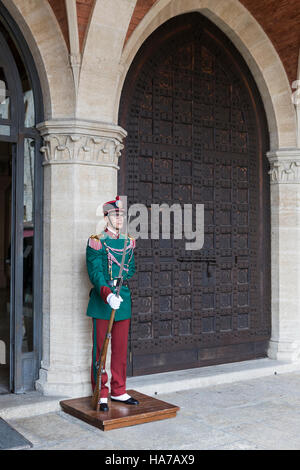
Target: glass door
26 260
20 213
5 262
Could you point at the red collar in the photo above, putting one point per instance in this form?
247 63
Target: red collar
111 234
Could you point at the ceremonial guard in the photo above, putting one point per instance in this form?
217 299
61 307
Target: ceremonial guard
103 258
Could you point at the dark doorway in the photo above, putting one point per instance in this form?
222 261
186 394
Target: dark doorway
5 266
197 134
21 212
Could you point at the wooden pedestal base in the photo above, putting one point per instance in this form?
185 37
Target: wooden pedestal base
119 414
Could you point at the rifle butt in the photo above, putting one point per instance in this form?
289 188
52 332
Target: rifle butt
96 395
95 401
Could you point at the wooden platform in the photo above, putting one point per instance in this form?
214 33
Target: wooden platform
119 414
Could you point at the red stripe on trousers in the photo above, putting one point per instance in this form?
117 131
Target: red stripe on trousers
118 364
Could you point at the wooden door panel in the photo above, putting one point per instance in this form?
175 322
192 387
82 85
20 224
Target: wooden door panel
197 134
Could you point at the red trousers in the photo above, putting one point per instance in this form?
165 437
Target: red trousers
118 364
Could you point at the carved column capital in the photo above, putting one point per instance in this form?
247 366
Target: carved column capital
285 166
81 142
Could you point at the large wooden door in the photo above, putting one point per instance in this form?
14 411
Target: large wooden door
197 134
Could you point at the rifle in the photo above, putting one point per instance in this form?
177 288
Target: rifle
100 364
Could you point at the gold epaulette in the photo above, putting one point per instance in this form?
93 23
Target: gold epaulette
94 242
98 236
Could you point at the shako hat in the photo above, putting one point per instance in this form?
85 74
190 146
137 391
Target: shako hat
113 206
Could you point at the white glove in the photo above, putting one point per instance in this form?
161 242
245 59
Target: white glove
114 301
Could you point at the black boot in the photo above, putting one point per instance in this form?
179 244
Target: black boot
130 401
104 407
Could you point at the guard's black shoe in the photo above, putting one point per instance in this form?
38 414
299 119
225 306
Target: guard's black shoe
104 407
130 401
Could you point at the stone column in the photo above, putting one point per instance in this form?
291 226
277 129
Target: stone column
285 249
80 173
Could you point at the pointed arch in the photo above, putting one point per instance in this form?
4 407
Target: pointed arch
99 75
43 35
251 41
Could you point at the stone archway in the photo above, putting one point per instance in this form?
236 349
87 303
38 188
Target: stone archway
41 31
251 41
100 69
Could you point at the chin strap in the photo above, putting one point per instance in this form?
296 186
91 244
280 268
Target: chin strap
112 225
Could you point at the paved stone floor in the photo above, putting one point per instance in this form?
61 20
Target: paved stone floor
259 414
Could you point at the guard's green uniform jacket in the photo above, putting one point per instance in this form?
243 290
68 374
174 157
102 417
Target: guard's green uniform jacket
103 259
